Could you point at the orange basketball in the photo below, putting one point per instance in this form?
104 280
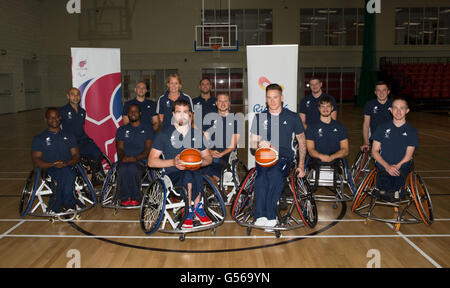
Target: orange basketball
191 159
266 157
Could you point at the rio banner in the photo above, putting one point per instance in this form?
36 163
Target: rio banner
268 64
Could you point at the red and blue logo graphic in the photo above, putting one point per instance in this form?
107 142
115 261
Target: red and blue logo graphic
102 99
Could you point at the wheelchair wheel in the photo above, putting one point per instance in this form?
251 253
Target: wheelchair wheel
83 191
110 187
421 198
153 206
28 192
239 172
360 165
363 189
214 206
243 196
304 200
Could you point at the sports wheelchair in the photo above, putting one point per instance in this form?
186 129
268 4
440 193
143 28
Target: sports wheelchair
39 186
335 176
163 206
296 207
361 166
97 175
369 196
110 197
231 177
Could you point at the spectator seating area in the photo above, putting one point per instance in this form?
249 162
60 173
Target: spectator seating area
420 82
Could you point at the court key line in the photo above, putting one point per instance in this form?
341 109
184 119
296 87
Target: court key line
405 237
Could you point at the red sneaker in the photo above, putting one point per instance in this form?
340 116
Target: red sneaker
188 222
201 215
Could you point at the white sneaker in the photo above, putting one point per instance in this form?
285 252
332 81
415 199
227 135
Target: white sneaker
271 223
261 221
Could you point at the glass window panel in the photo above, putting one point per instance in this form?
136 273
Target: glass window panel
251 27
350 26
336 27
430 25
401 26
306 26
320 28
265 27
444 26
416 26
237 18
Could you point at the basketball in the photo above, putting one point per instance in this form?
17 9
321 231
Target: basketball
266 157
191 159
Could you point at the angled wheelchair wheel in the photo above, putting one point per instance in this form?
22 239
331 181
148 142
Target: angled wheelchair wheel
364 188
153 207
239 172
304 200
28 192
359 168
110 188
83 191
421 198
244 194
214 205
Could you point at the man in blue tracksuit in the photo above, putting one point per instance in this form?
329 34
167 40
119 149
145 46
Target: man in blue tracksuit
394 143
57 151
72 122
309 106
148 107
277 127
376 112
133 143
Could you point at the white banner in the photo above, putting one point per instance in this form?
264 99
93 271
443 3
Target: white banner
96 72
266 65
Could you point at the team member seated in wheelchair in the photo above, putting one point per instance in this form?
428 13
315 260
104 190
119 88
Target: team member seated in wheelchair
133 143
393 146
393 183
57 152
168 144
376 112
73 117
327 142
277 127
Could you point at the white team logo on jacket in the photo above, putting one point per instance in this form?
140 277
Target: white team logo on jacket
387 133
375 110
127 134
48 141
320 132
69 115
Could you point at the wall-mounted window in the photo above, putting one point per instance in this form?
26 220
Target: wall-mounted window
229 80
155 80
339 82
331 26
422 26
254 25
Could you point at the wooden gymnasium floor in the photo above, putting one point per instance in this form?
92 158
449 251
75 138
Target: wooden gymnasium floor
120 242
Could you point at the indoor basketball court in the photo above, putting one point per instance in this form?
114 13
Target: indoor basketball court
209 40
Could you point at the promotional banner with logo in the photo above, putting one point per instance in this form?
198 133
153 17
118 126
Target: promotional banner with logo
267 64
96 73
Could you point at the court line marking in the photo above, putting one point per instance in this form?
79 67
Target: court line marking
231 237
11 229
405 237
430 135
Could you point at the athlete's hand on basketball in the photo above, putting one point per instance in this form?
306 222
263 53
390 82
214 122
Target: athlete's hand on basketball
301 172
178 163
264 144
